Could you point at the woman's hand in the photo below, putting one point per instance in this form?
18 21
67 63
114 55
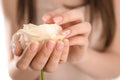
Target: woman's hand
37 56
75 29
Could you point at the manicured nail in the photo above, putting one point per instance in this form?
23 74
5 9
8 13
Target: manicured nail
58 19
13 48
34 46
66 32
60 45
50 44
66 42
46 17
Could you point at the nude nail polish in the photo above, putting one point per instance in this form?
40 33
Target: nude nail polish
66 32
33 46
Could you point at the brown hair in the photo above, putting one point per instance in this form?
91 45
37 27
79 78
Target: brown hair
106 10
103 7
26 11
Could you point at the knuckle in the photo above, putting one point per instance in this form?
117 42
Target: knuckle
21 66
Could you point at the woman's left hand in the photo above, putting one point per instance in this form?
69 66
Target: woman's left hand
75 29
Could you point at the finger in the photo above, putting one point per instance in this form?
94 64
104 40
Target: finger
70 16
65 52
42 57
48 17
78 40
55 57
78 29
16 48
15 45
15 37
27 56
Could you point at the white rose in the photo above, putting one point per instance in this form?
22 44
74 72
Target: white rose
31 32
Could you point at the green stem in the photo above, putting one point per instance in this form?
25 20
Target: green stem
42 75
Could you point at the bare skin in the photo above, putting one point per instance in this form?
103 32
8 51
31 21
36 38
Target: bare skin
101 64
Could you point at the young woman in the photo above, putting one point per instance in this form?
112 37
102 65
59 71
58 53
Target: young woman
90 50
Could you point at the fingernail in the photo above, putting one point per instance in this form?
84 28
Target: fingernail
13 48
33 46
66 32
58 19
66 42
50 44
46 17
60 45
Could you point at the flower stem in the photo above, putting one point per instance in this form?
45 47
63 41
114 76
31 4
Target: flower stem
42 75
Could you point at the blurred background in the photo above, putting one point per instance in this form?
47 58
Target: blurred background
3 52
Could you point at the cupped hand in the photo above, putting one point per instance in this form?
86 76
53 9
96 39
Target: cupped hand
36 56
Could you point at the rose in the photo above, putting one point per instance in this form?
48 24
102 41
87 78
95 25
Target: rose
31 32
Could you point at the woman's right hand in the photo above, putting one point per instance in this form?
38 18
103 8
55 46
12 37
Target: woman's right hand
46 57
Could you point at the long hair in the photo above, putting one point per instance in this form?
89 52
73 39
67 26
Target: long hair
106 10
27 12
